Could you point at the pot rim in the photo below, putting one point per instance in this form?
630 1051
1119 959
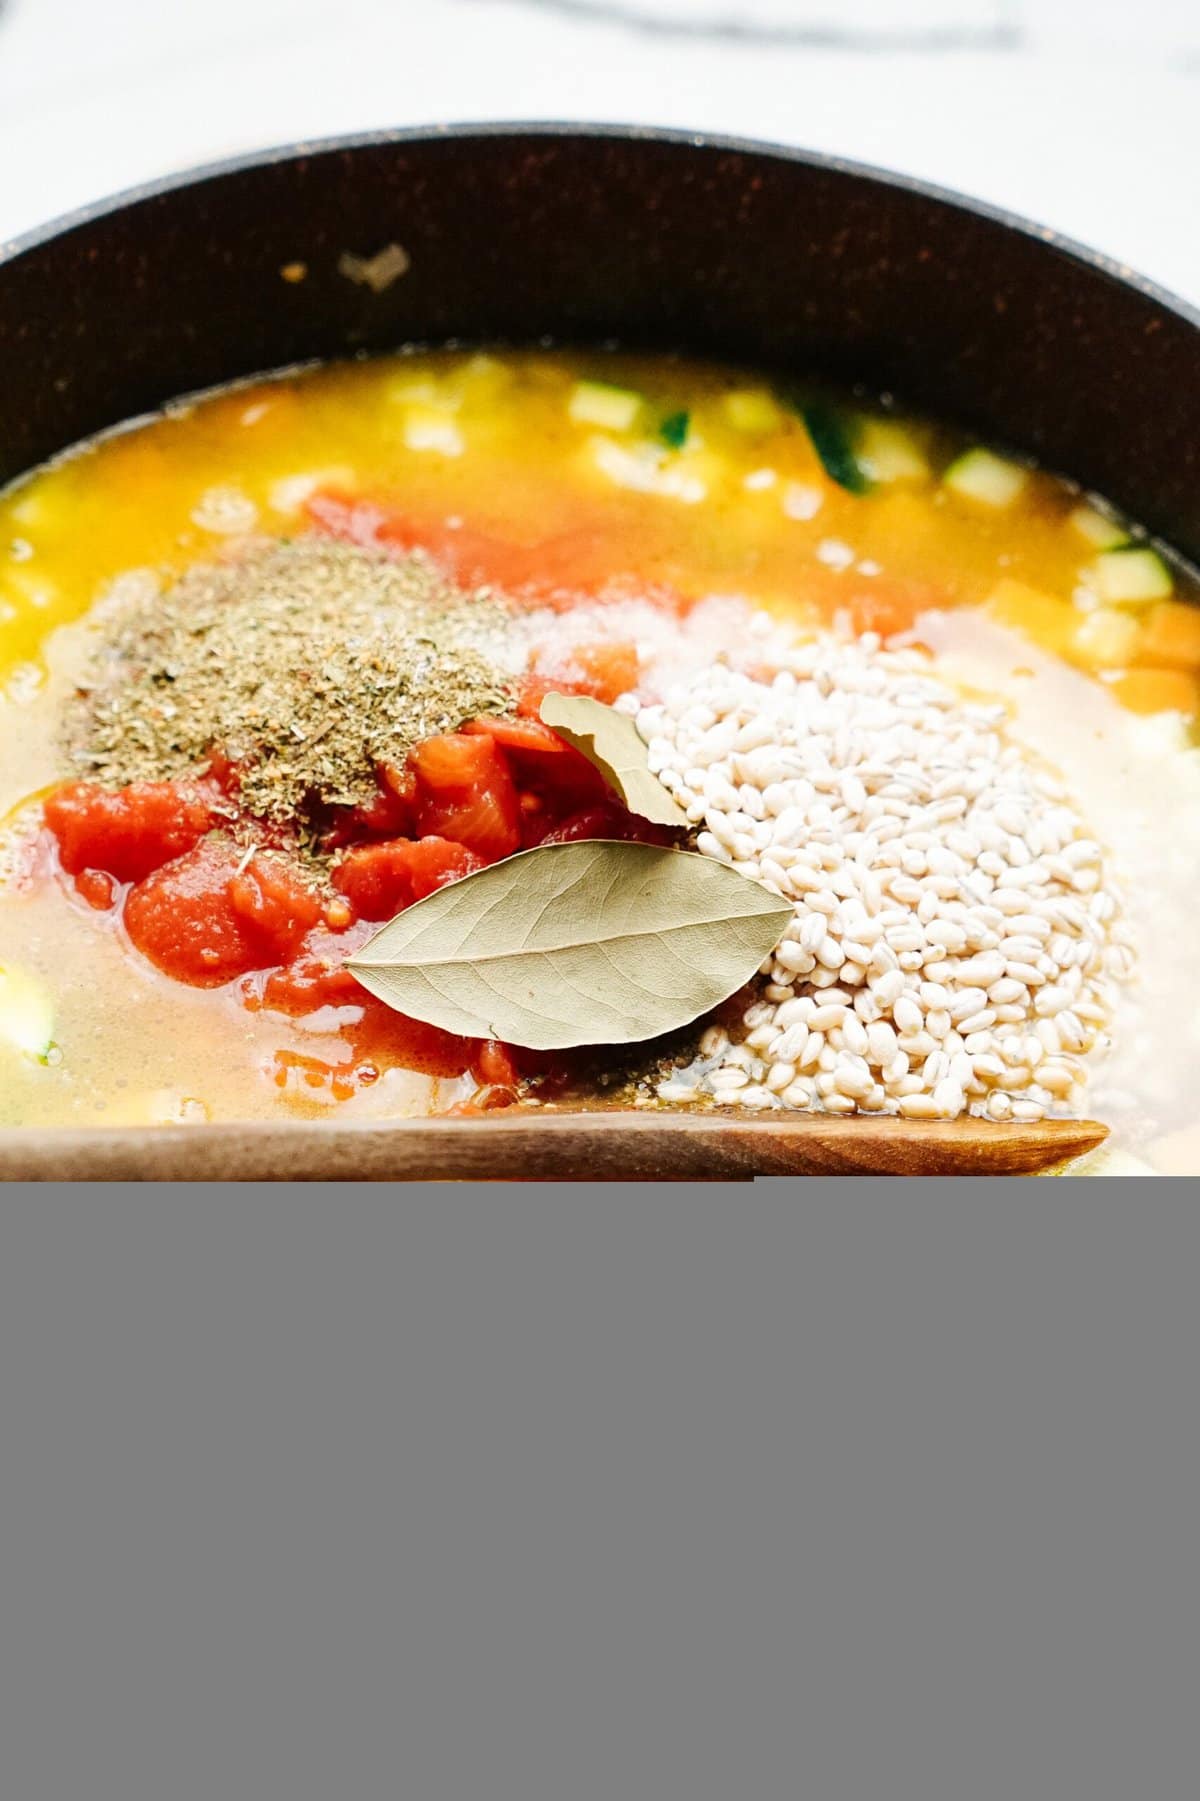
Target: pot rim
1096 261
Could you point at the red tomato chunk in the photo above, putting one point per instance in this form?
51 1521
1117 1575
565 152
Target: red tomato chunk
465 791
380 880
315 978
205 918
132 831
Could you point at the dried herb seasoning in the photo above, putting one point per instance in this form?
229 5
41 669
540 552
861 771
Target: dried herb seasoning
308 663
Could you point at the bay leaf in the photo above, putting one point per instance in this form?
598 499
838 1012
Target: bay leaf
612 743
568 944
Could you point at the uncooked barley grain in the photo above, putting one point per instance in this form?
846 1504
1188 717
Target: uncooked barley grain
954 926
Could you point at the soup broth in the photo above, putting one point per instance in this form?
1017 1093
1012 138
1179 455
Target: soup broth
597 524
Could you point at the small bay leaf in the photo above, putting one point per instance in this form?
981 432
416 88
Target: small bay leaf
612 742
588 943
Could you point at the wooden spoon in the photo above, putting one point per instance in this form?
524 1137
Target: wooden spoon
543 1145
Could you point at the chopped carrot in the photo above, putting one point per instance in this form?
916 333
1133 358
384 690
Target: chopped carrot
1049 621
1158 691
1171 635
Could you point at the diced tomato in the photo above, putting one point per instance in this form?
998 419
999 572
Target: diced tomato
602 671
128 832
375 1036
315 977
534 689
518 734
465 791
594 822
390 814
275 901
221 770
486 820
295 1069
494 1063
344 516
400 783
454 760
391 1039
205 918
97 888
474 559
889 605
181 918
304 986
471 557
371 1030
554 779
611 821
381 879
557 570
608 670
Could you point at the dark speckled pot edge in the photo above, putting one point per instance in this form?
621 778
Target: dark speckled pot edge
159 186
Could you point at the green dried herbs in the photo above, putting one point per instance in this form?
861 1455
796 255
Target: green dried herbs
307 663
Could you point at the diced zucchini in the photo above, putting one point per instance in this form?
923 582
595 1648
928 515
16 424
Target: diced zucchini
428 428
888 452
752 410
596 403
1106 639
831 435
1130 576
26 1015
1098 529
645 467
982 476
420 390
674 430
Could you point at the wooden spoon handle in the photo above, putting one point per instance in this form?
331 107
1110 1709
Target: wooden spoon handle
544 1145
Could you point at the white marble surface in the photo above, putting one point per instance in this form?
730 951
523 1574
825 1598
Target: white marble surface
1084 114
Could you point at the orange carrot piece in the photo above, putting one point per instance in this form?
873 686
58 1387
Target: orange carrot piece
1171 636
1158 691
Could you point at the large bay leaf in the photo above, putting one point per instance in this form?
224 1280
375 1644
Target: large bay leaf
612 742
591 943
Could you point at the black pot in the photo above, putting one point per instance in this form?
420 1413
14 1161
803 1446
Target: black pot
651 238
